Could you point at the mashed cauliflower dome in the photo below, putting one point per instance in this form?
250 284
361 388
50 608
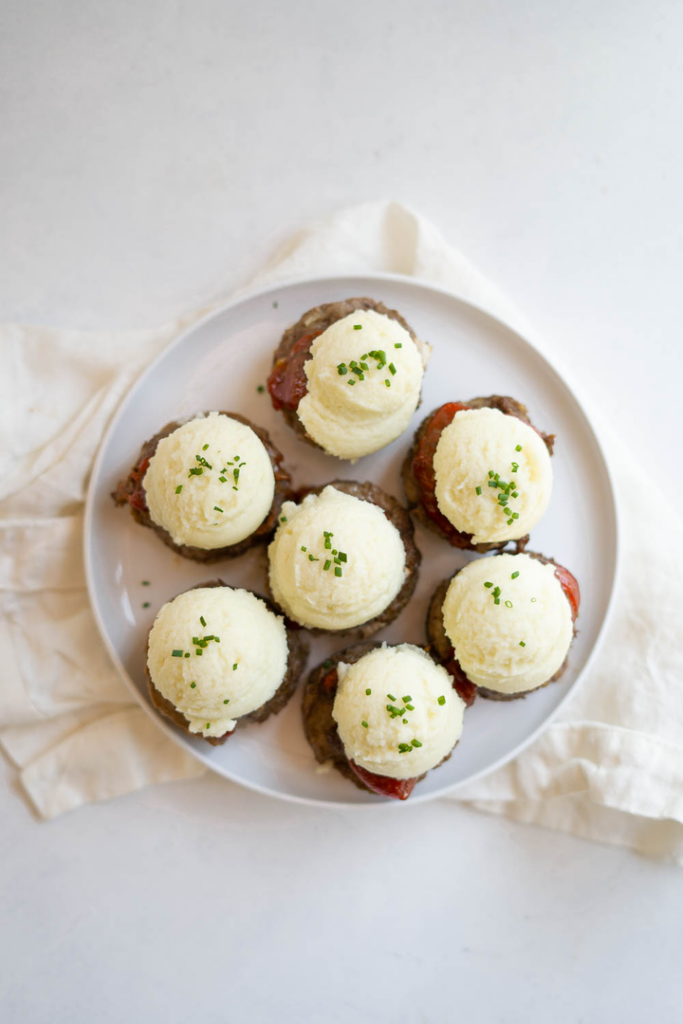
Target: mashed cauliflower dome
435 720
235 674
201 509
349 416
476 442
366 579
519 644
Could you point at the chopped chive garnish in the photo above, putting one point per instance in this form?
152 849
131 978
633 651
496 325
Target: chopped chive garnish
145 604
227 701
179 488
337 570
260 389
388 383
327 664
223 479
533 600
515 515
442 701
368 692
342 556
515 494
234 666
187 654
145 583
205 447
202 620
416 743
364 724
327 564
522 644
199 652
407 699
410 707
405 721
196 471
283 519
342 370
392 369
489 584
496 600
351 382
510 522
508 604
192 686
208 725
518 448
398 344
304 548
514 575
478 490
217 509
496 592
391 696
177 654
358 327
312 558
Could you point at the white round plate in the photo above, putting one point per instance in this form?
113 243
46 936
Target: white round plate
218 364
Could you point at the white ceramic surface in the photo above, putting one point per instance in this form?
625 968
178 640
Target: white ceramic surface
218 364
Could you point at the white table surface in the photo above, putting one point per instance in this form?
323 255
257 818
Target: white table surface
153 153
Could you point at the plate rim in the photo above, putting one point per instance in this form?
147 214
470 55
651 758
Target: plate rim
293 282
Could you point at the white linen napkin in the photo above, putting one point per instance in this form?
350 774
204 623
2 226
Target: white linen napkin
610 766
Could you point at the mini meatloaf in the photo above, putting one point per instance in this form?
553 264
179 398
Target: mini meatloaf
382 715
502 626
219 658
348 376
210 487
343 559
479 473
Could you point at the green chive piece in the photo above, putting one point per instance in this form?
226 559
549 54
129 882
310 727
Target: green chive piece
405 721
442 701
398 344
364 724
478 490
327 564
489 584
515 494
327 664
303 548
406 700
410 707
226 701
391 696
217 509
145 604
522 644
342 556
234 666
508 604
199 652
416 743
179 488
533 600
510 522
337 570
518 448
208 725
351 382
260 389
368 692
202 620
192 686
283 519
491 474
205 447
515 515
358 327
187 654
145 583
388 383
177 654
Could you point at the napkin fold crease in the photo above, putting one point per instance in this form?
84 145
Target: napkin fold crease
609 767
